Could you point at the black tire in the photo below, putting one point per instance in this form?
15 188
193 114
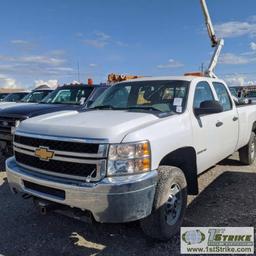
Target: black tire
247 154
158 225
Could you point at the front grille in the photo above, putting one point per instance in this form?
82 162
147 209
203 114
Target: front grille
45 190
78 147
58 167
6 123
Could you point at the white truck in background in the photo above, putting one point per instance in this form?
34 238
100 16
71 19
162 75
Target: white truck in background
135 153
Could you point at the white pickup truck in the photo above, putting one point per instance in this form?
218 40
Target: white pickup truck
136 153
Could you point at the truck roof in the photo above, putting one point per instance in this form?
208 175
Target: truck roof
81 86
181 78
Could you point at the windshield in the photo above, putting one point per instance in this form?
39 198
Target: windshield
35 96
159 96
73 95
15 97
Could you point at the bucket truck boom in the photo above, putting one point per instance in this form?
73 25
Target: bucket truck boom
216 43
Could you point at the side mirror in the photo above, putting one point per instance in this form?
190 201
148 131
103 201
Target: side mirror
208 107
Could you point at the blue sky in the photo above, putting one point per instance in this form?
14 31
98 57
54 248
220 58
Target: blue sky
44 40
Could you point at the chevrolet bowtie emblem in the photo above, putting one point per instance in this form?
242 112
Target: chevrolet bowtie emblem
44 153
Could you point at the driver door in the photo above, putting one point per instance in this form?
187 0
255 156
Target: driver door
204 129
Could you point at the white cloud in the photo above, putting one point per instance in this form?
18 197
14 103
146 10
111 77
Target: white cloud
122 44
75 82
23 44
252 18
7 58
239 79
92 65
233 59
102 36
7 82
171 64
101 39
96 43
20 42
51 83
61 69
236 29
235 80
41 59
253 46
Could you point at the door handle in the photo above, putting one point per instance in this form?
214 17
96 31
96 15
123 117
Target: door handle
235 118
219 124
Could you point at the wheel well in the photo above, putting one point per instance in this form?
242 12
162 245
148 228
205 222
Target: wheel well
185 159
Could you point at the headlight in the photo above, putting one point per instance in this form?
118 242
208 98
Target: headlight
129 158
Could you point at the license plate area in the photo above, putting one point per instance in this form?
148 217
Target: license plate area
54 192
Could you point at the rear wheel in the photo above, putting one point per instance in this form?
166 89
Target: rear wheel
169 204
247 154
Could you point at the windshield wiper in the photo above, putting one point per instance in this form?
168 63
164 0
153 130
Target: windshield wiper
145 108
103 107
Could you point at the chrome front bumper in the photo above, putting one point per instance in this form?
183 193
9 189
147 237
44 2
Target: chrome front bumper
112 200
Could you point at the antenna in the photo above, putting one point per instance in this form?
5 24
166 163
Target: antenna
78 71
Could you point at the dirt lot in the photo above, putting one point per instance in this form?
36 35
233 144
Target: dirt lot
227 198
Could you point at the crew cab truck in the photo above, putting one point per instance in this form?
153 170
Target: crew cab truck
67 97
33 97
13 97
135 153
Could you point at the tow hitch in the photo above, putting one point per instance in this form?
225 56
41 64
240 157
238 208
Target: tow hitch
46 207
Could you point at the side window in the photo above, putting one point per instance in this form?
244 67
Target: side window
62 96
203 92
223 96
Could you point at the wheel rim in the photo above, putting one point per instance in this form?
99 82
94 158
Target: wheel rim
252 149
173 205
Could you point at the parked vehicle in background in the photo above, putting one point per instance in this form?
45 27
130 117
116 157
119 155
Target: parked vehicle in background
3 95
251 96
67 97
14 97
33 97
36 95
135 153
244 94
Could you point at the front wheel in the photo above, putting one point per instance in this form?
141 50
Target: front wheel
247 154
169 204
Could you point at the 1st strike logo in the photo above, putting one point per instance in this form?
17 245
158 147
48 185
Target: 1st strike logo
44 153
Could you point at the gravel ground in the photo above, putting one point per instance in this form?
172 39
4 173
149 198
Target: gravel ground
227 198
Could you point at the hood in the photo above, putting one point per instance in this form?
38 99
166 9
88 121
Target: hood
28 110
97 124
12 104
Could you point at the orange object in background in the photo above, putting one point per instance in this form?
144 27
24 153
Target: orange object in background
114 78
194 74
90 81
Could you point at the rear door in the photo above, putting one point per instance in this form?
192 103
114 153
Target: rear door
227 123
